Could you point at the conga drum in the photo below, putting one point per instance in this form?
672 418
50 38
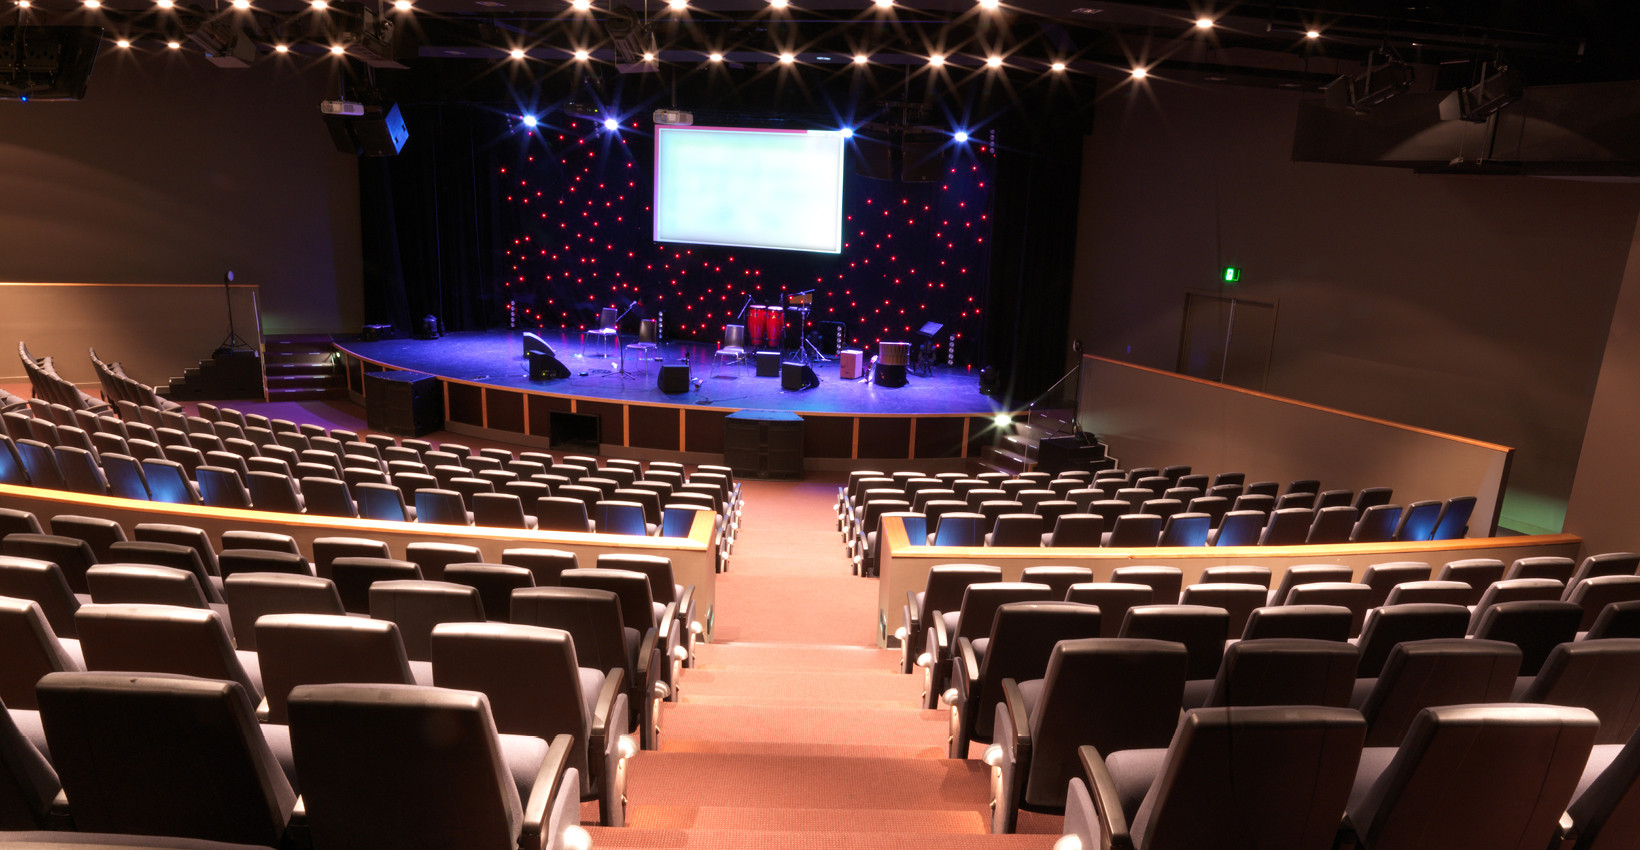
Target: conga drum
774 326
757 317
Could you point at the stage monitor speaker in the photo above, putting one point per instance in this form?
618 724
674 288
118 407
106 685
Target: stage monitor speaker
533 344
768 364
545 367
890 374
673 378
853 364
796 375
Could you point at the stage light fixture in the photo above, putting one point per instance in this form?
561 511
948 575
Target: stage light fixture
1140 73
847 132
1312 34
1057 66
787 58
990 4
649 57
1498 87
960 137
581 5
716 57
403 5
531 121
122 44
241 5
23 4
337 49
993 61
281 48
611 124
516 53
677 5
936 60
174 45
1204 23
582 55
779 4
93 4
861 58
883 4
1385 77
320 5
165 4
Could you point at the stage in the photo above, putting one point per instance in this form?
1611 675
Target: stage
941 419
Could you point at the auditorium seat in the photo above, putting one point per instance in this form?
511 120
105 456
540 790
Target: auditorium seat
1165 582
663 590
114 742
617 517
1594 594
1186 529
1021 639
1600 675
445 761
495 584
1394 624
972 619
1016 530
1134 531
382 501
1514 590
1108 693
271 541
1535 626
1454 520
1236 574
1307 573
235 561
1423 673
433 556
28 784
72 555
1442 592
501 510
40 464
32 649
1605 564
100 532
536 687
559 513
81 474
12 469
1079 530
1237 600
1238 528
169 482
1376 524
1312 622
125 478
1472 777
445 507
1544 567
1293 770
301 649
164 639
1282 671
252 595
271 491
418 606
1383 577
1058 579
147 584
1287 527
546 564
354 575
1352 595
1201 629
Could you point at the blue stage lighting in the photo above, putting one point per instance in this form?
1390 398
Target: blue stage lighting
961 136
611 124
530 121
848 132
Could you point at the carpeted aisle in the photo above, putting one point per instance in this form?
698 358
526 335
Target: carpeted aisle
793 730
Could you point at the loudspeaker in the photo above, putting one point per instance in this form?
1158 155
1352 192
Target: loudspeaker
768 364
795 375
533 344
381 133
890 374
545 367
673 378
853 364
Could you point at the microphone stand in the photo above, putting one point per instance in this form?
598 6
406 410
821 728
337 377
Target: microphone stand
233 342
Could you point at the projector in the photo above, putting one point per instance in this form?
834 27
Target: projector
341 107
674 116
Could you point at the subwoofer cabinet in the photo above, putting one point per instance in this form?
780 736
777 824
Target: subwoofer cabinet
406 404
763 444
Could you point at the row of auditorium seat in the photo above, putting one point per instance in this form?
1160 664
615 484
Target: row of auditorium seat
118 386
53 388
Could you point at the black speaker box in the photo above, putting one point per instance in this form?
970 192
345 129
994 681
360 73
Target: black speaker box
890 376
796 375
545 367
673 378
768 364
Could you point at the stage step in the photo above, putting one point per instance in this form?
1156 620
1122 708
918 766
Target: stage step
227 375
1000 459
303 367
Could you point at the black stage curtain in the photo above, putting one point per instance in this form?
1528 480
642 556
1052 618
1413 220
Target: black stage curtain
427 222
1033 256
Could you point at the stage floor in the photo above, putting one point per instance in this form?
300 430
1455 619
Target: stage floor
496 358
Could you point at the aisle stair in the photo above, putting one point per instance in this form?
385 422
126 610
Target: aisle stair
302 367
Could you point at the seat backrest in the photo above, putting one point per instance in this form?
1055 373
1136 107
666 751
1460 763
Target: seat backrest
42 582
1108 693
1292 769
220 487
638 607
1382 577
271 491
1351 595
181 535
1454 520
1022 637
1135 530
328 497
1078 530
1017 530
71 555
1236 574
500 510
1600 675
559 513
1314 622
1595 593
380 501
1604 564
1164 582
433 556
145 584
28 784
1606 814
530 673
1478 573
1201 629
1537 627
31 651
591 617
1418 521
327 549
1515 590
301 649
13 521
1305 573
546 564
251 595
418 606
495 584
1477 776
160 639
1113 598
1238 600
174 555
441 506
1422 673
980 603
657 567
1240 528
234 561
1419 592
115 743
1059 579
1551 567
1377 524
1332 525
946 584
1392 624
353 577
379 751
81 473
1287 527
101 533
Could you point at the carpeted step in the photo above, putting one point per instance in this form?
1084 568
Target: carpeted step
765 731
721 839
822 782
803 686
754 604
751 655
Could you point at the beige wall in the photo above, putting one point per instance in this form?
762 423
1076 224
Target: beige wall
1477 306
174 171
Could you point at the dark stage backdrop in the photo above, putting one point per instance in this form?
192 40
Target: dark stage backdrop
577 231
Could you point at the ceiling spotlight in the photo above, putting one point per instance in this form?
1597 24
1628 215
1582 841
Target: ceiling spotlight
993 61
649 57
960 136
883 4
990 4
936 60
23 4
847 132
517 53
1313 34
582 55
611 124
174 45
716 57
787 58
93 4
403 5
861 58
531 121
1204 23
241 5
165 4
122 43
320 5
1140 73
677 5
1058 66
580 5
337 49
281 48
779 4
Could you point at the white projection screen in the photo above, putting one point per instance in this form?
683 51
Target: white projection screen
749 188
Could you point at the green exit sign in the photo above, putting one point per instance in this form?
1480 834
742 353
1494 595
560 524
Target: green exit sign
1232 274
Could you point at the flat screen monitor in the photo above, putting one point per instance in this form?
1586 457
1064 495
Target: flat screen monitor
747 188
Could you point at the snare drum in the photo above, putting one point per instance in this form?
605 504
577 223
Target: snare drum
774 326
757 317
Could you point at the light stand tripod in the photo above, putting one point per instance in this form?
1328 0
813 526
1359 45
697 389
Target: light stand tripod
233 341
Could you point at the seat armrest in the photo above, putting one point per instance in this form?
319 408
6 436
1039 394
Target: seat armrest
913 615
548 780
966 666
1565 837
603 714
939 640
1113 825
648 674
686 608
1013 702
